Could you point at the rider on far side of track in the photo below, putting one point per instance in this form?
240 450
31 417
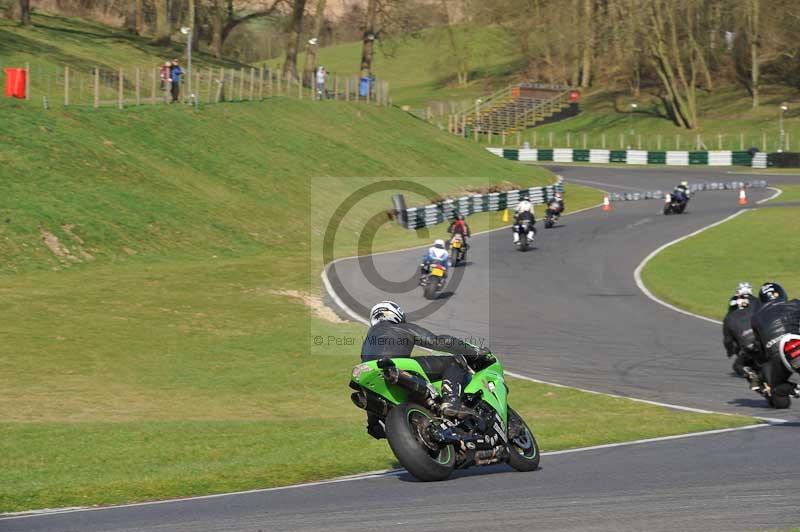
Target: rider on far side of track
459 226
524 212
438 253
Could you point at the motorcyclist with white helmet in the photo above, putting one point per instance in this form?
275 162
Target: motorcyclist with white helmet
391 336
737 329
436 253
524 212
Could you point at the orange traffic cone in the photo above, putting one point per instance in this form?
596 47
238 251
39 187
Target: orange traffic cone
607 203
742 196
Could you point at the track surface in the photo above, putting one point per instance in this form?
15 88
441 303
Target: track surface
570 312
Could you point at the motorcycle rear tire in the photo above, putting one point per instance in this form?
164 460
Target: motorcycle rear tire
430 289
779 402
407 445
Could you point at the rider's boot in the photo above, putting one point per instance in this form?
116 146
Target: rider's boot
516 238
375 427
451 399
531 235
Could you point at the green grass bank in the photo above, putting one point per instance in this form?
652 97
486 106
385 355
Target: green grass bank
160 287
703 262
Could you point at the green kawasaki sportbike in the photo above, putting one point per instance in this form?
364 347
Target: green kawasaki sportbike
407 397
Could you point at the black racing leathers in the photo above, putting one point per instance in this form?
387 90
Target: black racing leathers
397 340
770 323
737 328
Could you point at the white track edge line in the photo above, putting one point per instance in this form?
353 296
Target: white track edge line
637 274
351 478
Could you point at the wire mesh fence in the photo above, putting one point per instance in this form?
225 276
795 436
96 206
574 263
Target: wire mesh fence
766 141
125 87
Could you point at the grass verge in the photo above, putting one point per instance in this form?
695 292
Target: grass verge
152 349
704 262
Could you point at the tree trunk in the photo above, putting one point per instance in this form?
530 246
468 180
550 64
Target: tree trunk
368 46
755 66
215 15
139 20
311 55
576 68
163 30
293 40
588 42
25 12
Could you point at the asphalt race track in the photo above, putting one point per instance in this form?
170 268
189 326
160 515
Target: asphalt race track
568 311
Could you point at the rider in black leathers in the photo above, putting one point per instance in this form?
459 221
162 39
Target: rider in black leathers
775 318
391 336
737 329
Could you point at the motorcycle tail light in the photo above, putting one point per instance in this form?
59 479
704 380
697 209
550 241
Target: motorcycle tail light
792 348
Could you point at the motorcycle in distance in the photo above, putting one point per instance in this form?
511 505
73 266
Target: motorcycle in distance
407 398
433 280
790 347
458 252
552 214
675 203
525 231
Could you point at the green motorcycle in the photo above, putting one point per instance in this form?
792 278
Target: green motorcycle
406 397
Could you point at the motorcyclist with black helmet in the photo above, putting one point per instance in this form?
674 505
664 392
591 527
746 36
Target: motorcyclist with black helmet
737 329
391 336
775 318
460 227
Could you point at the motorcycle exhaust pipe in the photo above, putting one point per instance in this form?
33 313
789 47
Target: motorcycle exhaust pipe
404 379
370 402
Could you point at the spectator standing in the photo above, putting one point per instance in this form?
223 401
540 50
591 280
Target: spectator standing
322 74
175 79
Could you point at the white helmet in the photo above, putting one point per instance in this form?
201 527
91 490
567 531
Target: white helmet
386 311
558 195
744 289
524 206
438 243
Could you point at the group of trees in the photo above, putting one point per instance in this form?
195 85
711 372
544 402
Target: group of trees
674 48
298 24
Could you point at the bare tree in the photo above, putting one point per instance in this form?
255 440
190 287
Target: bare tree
293 39
25 12
163 27
311 54
368 38
588 42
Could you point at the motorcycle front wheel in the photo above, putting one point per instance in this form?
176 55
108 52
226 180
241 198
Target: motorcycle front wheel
523 451
405 426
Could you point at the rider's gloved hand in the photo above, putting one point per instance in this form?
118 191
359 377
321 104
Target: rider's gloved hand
486 355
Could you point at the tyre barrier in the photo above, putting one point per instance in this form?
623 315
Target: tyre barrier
444 211
642 157
694 187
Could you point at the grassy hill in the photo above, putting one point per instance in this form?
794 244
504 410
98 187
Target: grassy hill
420 67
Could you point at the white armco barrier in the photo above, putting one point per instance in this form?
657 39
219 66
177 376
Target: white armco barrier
760 160
678 158
720 158
528 154
562 155
599 156
496 151
636 157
